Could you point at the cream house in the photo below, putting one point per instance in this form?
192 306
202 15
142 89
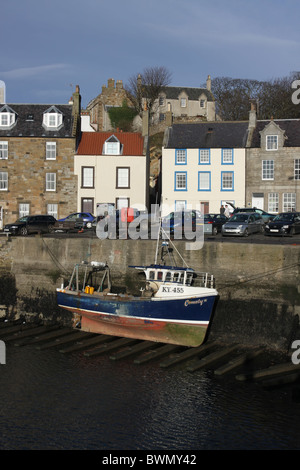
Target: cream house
203 166
111 168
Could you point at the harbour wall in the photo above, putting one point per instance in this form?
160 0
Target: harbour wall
258 284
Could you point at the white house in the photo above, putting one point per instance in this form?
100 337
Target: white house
203 166
111 168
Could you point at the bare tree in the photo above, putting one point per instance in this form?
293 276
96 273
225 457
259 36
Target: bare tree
273 97
144 88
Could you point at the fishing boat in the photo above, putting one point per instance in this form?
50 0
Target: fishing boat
175 305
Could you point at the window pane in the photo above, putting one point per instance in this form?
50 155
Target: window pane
50 181
272 142
227 155
50 150
297 169
123 177
204 155
88 177
52 210
289 202
23 210
3 180
181 156
180 181
268 169
3 150
204 181
273 200
227 180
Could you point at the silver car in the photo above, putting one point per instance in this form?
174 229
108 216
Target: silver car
243 223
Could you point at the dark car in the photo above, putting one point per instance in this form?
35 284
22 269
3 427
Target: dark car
243 223
180 221
265 215
75 221
286 223
213 223
31 224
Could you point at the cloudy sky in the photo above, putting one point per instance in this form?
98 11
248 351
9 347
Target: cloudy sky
48 47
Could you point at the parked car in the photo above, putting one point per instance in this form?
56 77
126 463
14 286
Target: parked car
31 224
213 223
286 223
243 223
75 221
181 220
265 215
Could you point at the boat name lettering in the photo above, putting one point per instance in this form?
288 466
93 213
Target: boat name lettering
178 290
190 302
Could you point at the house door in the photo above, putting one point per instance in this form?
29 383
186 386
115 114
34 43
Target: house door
258 200
204 207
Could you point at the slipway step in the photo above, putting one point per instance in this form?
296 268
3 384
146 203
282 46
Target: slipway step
32 337
270 372
15 329
238 362
211 359
157 353
83 343
67 338
185 355
110 346
142 346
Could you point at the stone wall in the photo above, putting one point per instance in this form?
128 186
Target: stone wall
258 284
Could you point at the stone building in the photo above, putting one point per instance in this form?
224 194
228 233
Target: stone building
273 164
111 95
37 148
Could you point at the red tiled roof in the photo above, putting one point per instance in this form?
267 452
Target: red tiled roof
91 143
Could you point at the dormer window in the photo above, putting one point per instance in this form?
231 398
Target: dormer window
112 146
272 142
52 118
7 117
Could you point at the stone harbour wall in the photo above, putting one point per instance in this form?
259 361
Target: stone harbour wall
258 284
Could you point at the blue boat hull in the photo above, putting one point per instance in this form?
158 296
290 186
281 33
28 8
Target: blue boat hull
178 321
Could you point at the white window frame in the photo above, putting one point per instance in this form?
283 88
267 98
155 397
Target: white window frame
267 170
24 209
3 150
87 175
227 156
50 150
52 119
7 119
273 202
3 180
51 182
112 146
271 142
52 209
180 181
204 156
181 156
227 181
123 177
288 202
204 181
183 102
297 169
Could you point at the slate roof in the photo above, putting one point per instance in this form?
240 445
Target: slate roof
208 135
172 92
290 126
91 143
25 127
